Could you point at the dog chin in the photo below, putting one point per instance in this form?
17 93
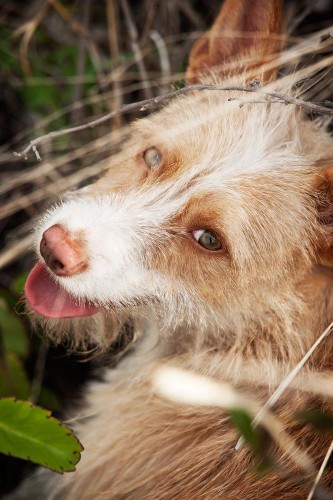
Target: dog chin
82 335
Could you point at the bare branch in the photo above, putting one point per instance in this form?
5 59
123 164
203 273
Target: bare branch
318 108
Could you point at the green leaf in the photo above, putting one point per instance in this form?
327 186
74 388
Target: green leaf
31 433
255 437
7 297
242 420
319 420
13 379
12 330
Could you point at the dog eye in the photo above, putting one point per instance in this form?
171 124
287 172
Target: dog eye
152 158
207 239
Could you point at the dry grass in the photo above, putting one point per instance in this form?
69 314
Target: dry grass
143 64
147 43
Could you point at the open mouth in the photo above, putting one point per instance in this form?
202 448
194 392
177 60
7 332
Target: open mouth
47 298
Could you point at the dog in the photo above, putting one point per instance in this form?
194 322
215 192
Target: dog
209 243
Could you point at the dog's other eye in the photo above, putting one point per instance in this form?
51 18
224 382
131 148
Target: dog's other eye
207 239
152 158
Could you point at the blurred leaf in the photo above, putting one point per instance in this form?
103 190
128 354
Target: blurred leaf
319 420
8 53
13 378
31 433
12 330
19 282
257 440
48 399
264 465
8 297
40 98
243 422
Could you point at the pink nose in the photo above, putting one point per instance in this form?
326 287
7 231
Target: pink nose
63 255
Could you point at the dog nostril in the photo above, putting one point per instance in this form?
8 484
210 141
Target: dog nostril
64 255
56 264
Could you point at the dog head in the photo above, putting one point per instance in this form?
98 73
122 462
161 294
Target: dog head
210 209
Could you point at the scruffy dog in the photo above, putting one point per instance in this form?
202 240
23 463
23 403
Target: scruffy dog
208 243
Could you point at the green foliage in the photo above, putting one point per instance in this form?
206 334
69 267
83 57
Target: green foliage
14 337
8 53
13 378
29 432
48 399
39 97
42 92
53 67
19 283
257 440
242 420
320 421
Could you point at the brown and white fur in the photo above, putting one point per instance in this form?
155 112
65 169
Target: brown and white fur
260 176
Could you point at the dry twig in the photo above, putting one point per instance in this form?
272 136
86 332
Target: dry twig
287 381
185 387
163 54
154 101
133 36
321 471
116 100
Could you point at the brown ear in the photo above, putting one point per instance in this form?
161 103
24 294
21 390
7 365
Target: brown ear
245 31
324 196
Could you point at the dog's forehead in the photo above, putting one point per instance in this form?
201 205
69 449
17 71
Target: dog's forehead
222 139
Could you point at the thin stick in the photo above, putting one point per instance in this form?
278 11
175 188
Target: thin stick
81 63
286 382
116 97
321 471
185 387
138 56
163 54
154 101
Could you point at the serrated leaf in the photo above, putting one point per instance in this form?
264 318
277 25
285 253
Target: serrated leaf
12 330
13 378
31 433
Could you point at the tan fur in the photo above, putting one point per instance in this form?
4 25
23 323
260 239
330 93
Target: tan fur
262 300
251 30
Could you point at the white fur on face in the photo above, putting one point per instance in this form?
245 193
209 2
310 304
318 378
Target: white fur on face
115 234
122 229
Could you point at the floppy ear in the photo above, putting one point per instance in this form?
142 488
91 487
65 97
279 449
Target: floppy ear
324 196
246 33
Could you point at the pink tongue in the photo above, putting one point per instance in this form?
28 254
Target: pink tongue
47 298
